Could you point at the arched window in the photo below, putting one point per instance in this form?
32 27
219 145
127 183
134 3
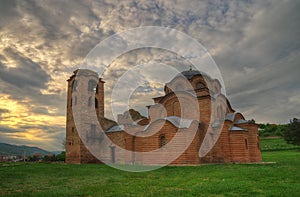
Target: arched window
74 85
90 101
200 85
92 86
96 103
162 140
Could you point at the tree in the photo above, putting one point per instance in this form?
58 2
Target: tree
49 158
292 132
61 156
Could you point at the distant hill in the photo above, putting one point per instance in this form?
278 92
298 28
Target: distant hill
9 149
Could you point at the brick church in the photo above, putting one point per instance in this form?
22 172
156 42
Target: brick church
219 133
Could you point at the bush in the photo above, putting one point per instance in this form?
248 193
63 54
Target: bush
61 156
267 130
292 132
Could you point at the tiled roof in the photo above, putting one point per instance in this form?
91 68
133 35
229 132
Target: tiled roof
235 128
230 116
116 128
190 73
240 121
177 122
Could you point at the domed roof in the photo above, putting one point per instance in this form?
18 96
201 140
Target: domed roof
190 73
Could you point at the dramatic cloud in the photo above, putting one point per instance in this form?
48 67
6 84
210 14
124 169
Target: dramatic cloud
254 43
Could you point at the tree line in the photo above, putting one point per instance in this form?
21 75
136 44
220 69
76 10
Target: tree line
48 158
290 132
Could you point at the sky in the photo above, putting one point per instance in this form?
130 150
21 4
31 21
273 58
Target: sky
255 44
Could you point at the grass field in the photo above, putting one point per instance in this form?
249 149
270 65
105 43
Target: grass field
275 143
45 179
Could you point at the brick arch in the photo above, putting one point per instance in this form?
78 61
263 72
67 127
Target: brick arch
216 86
197 81
178 84
220 107
224 100
156 111
238 116
187 104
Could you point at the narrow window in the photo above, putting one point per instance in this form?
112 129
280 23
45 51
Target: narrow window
74 86
96 103
246 144
92 86
200 85
162 141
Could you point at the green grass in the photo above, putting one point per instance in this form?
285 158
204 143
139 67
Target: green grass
275 144
42 179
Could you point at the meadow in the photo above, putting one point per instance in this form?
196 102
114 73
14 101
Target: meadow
281 178
275 144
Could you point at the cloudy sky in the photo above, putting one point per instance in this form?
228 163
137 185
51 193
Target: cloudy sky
255 44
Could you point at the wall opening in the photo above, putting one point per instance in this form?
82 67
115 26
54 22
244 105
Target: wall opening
92 85
246 144
96 103
162 141
74 86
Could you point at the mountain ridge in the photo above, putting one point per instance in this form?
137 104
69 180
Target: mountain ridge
10 149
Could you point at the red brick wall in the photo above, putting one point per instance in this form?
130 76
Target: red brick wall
253 141
230 146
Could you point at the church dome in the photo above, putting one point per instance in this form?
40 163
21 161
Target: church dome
190 73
